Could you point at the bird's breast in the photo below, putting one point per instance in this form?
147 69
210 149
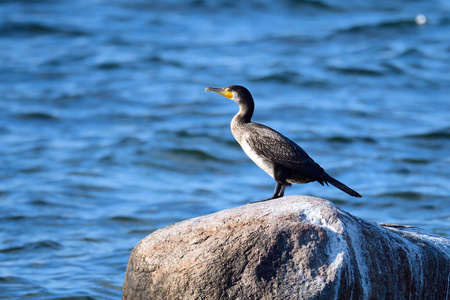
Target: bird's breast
264 164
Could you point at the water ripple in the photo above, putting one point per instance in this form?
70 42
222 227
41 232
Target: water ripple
440 134
41 116
33 246
34 29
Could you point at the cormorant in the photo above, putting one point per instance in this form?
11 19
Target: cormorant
277 155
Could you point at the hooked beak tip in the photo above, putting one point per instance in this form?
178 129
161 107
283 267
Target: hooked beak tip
210 89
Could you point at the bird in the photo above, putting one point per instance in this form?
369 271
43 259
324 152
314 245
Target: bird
285 161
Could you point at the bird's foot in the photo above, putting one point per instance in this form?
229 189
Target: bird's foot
264 200
279 192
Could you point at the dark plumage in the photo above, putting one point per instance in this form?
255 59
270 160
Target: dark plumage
277 155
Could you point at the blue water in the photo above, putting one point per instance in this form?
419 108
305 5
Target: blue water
106 133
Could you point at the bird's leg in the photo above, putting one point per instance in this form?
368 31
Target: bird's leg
279 192
280 175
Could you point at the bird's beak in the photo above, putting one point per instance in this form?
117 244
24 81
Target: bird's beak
220 91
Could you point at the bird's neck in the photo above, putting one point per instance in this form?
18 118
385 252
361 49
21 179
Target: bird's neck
245 114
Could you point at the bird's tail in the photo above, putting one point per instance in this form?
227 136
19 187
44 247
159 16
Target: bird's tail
328 179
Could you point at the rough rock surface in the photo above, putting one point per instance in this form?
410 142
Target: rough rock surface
295 247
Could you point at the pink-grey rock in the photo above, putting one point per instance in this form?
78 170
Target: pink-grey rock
294 247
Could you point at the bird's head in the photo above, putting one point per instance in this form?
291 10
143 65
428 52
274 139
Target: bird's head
236 93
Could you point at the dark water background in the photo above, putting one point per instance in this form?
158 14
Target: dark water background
106 133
